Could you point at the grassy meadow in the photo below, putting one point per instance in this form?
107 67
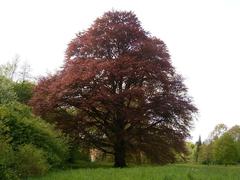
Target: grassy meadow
169 172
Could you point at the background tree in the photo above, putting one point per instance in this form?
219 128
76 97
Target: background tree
225 150
222 147
119 92
9 70
16 71
188 157
24 72
15 84
218 131
234 132
23 91
206 153
7 93
198 145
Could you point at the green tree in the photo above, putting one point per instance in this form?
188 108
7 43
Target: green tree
225 150
206 153
9 70
234 132
198 145
7 93
189 156
15 91
16 71
24 91
218 131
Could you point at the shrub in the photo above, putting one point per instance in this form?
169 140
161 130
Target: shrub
6 161
22 127
31 161
78 154
6 153
7 173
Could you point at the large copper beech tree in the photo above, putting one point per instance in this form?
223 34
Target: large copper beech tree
118 92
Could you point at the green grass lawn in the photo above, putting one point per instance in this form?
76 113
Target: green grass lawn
169 172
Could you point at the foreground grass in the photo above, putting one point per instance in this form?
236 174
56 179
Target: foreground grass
170 172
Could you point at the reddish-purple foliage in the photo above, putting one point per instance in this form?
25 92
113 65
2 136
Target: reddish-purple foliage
119 92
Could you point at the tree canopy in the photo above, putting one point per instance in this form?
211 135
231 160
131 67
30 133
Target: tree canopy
118 92
225 150
222 146
7 93
24 91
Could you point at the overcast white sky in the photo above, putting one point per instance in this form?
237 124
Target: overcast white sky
203 37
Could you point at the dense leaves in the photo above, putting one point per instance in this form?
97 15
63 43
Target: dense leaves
24 91
7 93
118 92
225 150
15 91
222 147
28 145
31 161
21 127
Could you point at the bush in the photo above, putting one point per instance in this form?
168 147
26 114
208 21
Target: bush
25 161
31 161
6 153
78 154
7 173
22 127
7 161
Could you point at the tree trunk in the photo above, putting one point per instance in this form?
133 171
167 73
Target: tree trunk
119 144
119 154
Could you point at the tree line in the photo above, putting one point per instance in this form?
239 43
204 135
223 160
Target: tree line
221 147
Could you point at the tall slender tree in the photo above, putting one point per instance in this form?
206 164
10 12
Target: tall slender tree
198 146
119 92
